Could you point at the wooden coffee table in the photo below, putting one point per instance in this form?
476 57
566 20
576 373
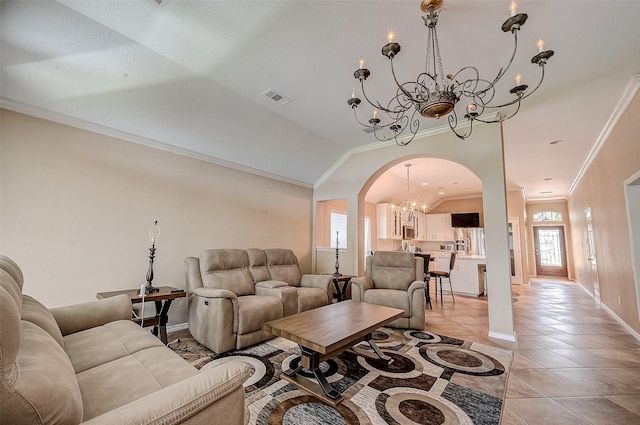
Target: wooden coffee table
326 331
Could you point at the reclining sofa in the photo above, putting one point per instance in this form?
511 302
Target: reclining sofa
91 364
233 292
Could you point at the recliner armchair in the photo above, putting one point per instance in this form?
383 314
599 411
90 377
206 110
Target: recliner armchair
394 279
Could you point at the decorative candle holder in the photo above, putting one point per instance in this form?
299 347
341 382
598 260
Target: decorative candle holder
153 236
337 273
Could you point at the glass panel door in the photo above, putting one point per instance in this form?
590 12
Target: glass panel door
550 251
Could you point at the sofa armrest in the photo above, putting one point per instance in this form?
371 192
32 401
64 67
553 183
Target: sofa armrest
320 281
214 293
79 317
416 285
186 399
358 287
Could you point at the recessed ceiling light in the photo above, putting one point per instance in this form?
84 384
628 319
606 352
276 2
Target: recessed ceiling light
555 142
548 178
440 193
424 184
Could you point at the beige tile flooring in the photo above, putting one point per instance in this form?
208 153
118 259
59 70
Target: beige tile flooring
573 362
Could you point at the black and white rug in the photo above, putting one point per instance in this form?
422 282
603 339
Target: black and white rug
433 379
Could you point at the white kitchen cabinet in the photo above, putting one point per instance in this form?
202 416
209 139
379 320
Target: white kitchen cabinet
421 227
389 222
439 227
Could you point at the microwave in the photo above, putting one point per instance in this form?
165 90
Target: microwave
408 232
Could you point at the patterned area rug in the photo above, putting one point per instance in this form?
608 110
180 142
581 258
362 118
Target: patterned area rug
432 379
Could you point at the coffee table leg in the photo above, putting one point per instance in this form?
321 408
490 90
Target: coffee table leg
375 347
310 360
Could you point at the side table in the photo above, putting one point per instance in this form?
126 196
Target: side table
162 300
341 284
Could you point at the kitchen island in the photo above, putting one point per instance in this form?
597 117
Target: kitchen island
467 274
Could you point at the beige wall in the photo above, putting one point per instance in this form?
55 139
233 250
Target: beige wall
77 207
557 206
601 189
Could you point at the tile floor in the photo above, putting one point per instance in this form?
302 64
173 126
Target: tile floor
573 362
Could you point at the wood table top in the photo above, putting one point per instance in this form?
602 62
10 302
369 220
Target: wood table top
164 293
325 329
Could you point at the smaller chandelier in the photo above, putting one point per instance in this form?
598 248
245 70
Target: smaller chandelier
434 95
409 208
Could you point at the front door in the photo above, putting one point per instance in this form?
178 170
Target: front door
551 258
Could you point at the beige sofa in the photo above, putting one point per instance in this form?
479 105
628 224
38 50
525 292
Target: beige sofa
233 292
394 279
91 364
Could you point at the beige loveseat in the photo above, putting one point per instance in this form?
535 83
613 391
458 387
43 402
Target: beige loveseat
90 363
233 292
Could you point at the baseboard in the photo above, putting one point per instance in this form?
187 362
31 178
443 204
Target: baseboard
506 337
632 331
178 327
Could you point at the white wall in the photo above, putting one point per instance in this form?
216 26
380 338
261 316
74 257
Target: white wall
482 154
76 208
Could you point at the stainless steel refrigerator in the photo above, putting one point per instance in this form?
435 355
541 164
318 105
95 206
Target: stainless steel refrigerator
469 241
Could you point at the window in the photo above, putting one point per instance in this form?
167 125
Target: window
547 216
338 230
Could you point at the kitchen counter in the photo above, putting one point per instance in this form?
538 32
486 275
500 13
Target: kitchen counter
470 257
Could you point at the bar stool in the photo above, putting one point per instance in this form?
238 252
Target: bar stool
438 275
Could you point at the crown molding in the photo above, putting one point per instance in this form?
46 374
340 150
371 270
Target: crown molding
59 118
621 106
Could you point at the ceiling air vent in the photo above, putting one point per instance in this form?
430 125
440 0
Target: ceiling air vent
276 97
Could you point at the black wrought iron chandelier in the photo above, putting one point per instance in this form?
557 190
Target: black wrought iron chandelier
434 95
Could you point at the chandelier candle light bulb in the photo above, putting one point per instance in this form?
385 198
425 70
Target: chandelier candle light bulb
431 95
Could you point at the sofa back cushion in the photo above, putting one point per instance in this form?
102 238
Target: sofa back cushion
392 270
35 312
283 265
258 265
227 269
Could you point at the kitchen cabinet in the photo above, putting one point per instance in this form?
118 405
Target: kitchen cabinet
389 222
438 227
421 227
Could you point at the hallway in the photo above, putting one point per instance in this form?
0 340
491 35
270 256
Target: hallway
573 362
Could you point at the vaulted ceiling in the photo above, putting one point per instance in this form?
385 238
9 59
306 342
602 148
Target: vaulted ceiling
188 77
